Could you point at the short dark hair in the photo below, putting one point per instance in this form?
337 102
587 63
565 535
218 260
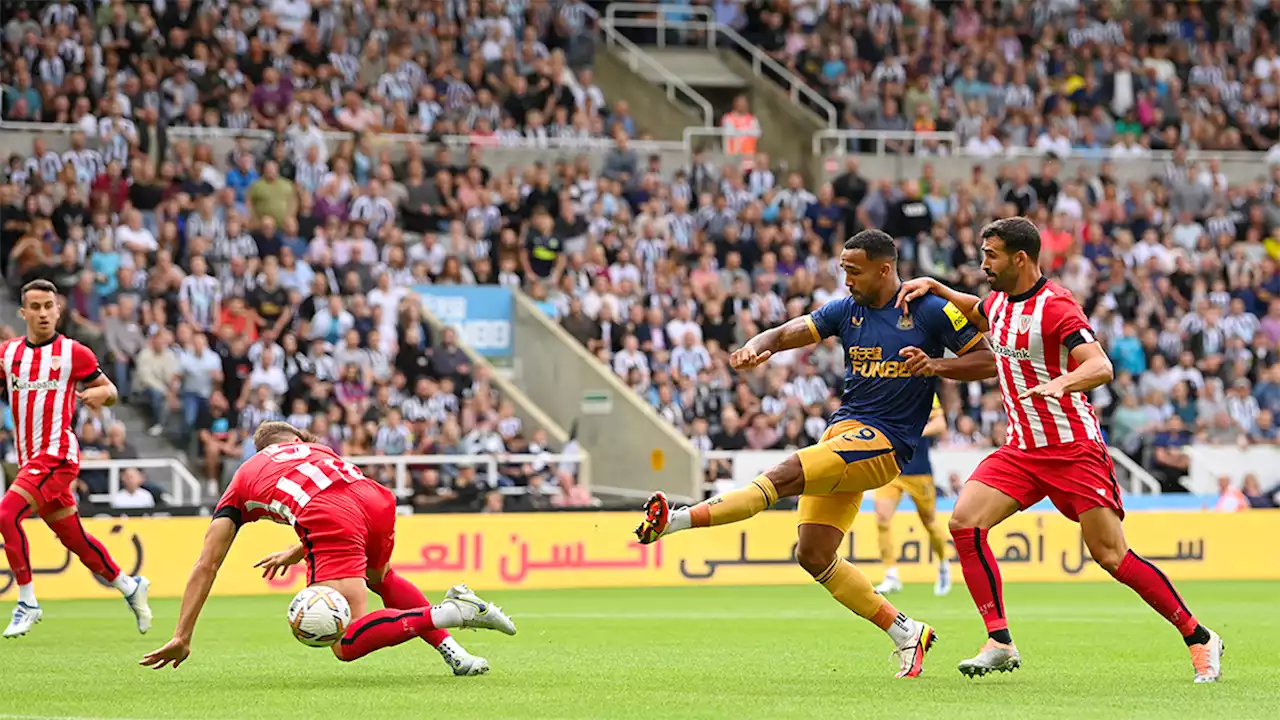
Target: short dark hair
275 431
1018 235
877 244
38 286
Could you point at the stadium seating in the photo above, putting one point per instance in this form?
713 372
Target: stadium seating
208 220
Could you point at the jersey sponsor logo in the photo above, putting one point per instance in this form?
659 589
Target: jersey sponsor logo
958 320
906 323
869 362
1010 352
36 384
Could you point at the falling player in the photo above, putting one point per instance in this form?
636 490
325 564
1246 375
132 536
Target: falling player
917 481
883 411
1047 359
43 370
346 523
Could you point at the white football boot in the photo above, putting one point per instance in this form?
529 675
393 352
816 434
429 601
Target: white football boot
477 613
138 604
459 660
891 584
24 618
1207 659
943 585
993 657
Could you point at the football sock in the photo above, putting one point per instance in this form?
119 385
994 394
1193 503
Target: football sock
386 628
735 505
13 508
885 534
1152 585
126 584
27 595
851 588
86 547
982 576
398 593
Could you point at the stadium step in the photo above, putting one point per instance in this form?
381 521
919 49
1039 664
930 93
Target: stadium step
701 68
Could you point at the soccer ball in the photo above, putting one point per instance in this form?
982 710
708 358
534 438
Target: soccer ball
318 616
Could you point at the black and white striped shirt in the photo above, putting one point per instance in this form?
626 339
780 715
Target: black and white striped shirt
373 211
798 200
309 175
393 87
237 119
212 229
51 70
345 64
60 14
489 216
201 294
46 167
736 199
1216 226
458 95
760 181
574 15
491 112
392 440
682 226
428 113
416 409
88 164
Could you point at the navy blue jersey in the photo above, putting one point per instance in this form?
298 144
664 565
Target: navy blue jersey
919 463
878 391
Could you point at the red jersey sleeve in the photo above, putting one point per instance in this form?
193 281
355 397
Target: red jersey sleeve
984 307
231 506
84 364
1066 322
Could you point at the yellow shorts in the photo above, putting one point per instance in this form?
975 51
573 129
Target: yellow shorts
920 487
851 459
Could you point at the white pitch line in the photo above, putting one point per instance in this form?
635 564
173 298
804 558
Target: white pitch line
7 716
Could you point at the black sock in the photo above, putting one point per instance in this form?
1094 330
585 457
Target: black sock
1001 636
1199 636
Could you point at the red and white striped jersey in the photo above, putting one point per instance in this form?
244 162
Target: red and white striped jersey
1032 336
42 393
277 483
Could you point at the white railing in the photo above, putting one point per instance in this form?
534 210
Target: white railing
400 465
634 56
186 489
719 132
570 144
703 19
880 137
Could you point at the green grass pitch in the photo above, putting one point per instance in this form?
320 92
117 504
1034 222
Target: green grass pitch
1089 650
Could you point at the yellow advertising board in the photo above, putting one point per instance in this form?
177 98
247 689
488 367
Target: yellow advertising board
589 550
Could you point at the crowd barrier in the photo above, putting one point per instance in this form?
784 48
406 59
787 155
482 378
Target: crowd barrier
596 550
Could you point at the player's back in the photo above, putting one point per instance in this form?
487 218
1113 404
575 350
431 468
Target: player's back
42 393
878 390
278 482
1032 336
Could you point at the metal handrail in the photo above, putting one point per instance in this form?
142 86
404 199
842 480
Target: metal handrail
796 86
1142 479
634 56
592 143
184 481
880 137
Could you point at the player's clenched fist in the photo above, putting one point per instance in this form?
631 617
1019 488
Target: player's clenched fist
747 358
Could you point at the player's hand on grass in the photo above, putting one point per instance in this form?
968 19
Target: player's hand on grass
917 361
913 289
276 562
175 651
747 358
1052 389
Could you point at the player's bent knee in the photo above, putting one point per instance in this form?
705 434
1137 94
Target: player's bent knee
960 522
787 477
817 547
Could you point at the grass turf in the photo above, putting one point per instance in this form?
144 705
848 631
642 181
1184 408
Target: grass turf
1089 650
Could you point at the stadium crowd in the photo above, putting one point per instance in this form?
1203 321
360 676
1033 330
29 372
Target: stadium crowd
274 283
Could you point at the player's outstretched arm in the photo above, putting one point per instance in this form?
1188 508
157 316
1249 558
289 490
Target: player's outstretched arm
217 541
794 333
967 304
1094 369
978 363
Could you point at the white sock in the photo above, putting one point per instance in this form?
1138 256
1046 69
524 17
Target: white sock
125 584
891 573
944 566
446 616
902 630
27 594
680 520
449 645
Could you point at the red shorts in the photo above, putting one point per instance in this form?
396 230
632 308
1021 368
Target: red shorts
1075 476
49 481
347 529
